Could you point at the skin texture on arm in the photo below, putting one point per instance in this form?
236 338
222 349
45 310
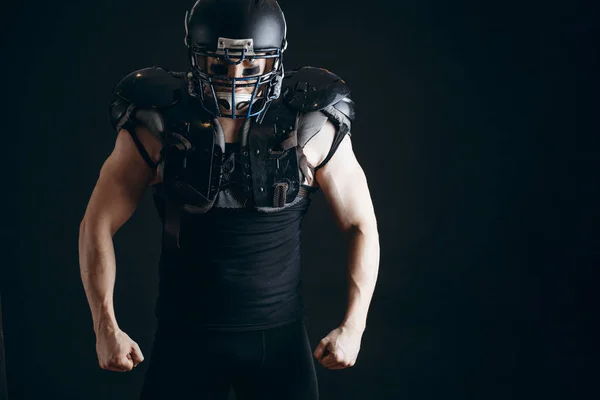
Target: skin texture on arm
345 187
123 179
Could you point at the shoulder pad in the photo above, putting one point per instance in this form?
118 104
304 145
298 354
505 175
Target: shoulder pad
152 87
311 89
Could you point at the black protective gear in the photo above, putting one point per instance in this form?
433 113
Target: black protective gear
192 159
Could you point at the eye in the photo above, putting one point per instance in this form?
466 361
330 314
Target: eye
218 69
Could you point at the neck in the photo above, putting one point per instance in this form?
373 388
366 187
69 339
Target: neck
231 128
229 123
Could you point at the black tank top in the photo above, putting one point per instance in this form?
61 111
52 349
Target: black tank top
238 269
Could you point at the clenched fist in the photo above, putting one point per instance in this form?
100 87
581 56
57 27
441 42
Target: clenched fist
116 351
339 349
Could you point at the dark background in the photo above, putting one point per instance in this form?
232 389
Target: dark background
475 127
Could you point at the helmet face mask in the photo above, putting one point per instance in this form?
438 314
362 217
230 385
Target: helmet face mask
245 94
235 50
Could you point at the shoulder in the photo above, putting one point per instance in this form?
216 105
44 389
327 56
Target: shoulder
152 87
309 89
326 109
146 89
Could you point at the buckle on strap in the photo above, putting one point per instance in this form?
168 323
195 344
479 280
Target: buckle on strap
279 194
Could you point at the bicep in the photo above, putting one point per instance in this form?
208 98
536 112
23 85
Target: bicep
123 179
346 190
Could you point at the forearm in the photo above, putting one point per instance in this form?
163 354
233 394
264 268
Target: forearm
363 268
98 271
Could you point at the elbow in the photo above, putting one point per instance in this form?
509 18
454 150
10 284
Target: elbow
362 226
360 229
95 226
85 228
91 236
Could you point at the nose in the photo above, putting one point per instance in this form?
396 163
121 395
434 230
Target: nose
235 71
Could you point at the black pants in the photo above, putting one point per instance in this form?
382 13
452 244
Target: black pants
274 363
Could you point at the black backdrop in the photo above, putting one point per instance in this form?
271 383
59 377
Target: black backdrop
476 141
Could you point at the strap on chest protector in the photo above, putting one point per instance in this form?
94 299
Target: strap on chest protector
272 161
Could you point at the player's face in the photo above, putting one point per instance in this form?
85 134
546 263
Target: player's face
222 71
246 69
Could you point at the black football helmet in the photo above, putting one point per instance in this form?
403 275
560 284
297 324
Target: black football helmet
234 32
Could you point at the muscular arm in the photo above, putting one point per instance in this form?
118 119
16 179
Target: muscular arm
123 179
344 185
